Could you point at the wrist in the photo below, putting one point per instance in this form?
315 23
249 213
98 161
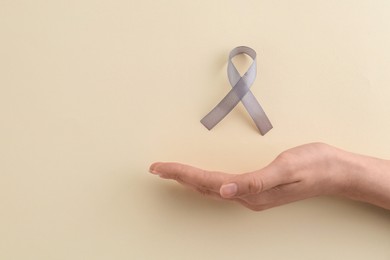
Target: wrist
365 179
338 171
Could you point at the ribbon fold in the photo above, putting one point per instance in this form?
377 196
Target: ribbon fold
240 92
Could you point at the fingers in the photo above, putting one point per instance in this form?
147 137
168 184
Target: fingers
266 188
205 182
254 182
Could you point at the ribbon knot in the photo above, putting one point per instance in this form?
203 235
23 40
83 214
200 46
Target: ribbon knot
240 92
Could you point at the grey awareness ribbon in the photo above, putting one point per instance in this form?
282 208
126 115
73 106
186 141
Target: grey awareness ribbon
240 92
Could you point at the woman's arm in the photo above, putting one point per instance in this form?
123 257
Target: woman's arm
302 172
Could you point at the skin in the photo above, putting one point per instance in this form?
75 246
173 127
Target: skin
299 173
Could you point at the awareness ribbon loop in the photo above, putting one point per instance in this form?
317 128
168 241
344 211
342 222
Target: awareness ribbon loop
240 92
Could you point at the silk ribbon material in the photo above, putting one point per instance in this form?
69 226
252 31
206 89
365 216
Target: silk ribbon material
240 92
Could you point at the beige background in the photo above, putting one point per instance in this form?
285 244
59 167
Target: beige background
92 92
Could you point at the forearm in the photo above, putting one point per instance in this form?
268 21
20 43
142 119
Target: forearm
367 179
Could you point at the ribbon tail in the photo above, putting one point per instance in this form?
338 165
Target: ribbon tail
226 105
257 113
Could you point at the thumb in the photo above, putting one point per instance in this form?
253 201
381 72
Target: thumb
251 183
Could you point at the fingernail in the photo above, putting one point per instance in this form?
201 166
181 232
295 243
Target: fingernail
228 190
152 170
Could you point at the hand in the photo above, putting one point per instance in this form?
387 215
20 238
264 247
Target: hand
302 172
